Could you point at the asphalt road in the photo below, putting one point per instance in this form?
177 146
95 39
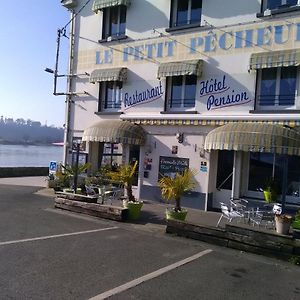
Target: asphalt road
50 254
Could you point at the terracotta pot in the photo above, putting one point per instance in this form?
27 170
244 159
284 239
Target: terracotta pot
283 224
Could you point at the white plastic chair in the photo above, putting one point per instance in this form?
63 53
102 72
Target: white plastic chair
229 214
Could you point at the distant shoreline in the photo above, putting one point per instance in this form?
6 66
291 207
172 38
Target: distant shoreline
27 144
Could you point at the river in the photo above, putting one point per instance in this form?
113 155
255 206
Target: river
29 156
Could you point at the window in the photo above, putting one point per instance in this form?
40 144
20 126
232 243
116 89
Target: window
276 88
185 12
114 21
110 96
111 155
275 4
181 92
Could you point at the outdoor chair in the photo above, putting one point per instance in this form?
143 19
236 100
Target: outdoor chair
114 195
262 218
229 214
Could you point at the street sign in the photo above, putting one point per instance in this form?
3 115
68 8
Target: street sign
52 167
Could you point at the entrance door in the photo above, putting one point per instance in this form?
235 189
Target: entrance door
263 166
224 178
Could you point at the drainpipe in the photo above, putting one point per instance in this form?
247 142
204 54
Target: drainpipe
67 137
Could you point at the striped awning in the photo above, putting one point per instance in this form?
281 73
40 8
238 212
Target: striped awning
113 74
188 67
254 137
101 4
115 131
274 59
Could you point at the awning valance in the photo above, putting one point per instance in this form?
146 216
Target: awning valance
115 131
101 4
274 59
188 67
113 74
254 137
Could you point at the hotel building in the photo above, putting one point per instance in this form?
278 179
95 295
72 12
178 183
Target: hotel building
211 85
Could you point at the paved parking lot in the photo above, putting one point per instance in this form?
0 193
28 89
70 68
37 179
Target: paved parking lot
51 254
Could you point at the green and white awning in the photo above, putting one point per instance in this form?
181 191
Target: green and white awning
274 59
101 4
113 74
115 131
188 67
254 137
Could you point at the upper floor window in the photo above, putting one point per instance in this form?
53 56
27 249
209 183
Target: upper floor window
110 96
276 88
114 21
275 4
181 92
185 12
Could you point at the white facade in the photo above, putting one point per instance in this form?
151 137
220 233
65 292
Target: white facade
226 91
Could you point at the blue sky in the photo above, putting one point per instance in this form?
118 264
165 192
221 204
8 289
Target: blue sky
28 31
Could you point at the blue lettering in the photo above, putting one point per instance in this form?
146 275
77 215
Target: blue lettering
264 36
279 33
210 43
195 42
223 41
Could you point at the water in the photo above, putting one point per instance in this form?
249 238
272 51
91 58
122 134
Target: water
29 156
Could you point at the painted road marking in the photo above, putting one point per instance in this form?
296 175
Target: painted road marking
55 236
149 276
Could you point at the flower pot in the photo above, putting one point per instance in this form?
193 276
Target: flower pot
134 209
283 223
270 196
176 215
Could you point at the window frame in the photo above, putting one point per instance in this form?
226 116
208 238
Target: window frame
276 105
103 100
168 101
282 6
173 15
107 22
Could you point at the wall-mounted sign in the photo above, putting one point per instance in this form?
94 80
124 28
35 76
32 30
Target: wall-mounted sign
169 166
142 96
203 166
243 37
220 92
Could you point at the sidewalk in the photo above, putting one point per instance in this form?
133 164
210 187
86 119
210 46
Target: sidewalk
152 212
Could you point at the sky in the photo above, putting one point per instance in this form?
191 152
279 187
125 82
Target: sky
28 32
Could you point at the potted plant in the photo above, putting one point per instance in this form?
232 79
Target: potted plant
172 189
296 221
271 190
124 174
283 223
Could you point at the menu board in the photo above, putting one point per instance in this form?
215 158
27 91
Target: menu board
169 166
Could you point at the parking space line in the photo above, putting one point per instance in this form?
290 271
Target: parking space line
55 236
149 276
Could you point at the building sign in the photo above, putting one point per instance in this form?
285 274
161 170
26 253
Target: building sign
219 93
278 34
169 166
142 96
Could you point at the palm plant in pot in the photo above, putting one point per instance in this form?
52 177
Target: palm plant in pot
125 175
172 189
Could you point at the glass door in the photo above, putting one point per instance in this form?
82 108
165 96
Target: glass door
263 166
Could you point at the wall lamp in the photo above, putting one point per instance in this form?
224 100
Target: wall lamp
180 137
